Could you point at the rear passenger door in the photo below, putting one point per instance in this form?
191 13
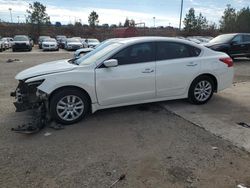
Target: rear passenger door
176 67
246 41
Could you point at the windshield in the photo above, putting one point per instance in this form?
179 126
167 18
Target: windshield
97 53
49 40
43 37
21 38
72 40
222 38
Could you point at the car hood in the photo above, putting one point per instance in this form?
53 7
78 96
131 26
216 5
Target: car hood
46 68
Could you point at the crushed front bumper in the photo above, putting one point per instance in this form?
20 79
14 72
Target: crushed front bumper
27 96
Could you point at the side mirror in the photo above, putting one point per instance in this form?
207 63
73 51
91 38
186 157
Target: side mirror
111 63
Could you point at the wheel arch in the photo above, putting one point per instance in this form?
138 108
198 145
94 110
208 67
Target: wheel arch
208 75
70 87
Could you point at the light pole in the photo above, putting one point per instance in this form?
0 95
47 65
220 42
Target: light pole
154 21
181 14
18 19
10 9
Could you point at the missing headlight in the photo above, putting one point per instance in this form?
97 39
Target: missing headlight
35 83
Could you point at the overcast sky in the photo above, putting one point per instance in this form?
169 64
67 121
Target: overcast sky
114 11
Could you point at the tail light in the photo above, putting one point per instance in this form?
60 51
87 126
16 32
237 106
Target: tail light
227 61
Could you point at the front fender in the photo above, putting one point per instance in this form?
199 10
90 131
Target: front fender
73 78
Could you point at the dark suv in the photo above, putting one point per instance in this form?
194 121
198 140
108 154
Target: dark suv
21 42
235 45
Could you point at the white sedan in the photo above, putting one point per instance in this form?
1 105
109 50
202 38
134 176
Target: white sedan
49 44
124 72
73 44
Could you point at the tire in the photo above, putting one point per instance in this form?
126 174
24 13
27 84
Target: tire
201 90
68 106
13 49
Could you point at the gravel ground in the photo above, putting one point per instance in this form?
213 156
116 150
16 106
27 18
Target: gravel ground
152 146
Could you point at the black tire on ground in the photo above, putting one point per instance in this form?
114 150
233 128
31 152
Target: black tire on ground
208 82
61 95
13 49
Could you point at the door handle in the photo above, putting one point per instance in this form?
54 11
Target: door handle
148 71
191 64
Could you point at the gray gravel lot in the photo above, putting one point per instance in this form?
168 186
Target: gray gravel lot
152 146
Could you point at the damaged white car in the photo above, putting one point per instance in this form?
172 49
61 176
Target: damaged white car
124 72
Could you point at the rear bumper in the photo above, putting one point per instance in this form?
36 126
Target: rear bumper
225 79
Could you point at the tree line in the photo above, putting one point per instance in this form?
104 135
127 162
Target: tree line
231 21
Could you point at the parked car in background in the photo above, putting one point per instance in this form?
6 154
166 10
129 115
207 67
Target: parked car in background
40 40
62 42
2 47
21 42
50 44
59 37
81 52
84 43
6 42
92 42
235 44
10 39
124 72
31 41
73 44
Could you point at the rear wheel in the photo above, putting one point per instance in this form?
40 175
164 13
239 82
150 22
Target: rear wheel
69 106
201 90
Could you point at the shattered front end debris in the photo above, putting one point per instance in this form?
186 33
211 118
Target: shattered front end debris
29 97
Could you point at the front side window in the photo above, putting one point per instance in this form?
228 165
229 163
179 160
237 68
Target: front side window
138 53
237 39
98 53
246 38
172 50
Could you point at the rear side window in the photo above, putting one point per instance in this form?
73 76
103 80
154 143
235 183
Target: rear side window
246 38
172 50
138 53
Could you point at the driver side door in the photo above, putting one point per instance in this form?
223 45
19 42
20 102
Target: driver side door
132 81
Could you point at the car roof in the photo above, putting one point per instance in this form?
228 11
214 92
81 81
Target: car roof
155 39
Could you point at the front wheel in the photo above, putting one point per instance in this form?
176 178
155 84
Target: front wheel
201 90
69 106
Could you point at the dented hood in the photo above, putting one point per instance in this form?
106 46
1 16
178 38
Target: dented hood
46 68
